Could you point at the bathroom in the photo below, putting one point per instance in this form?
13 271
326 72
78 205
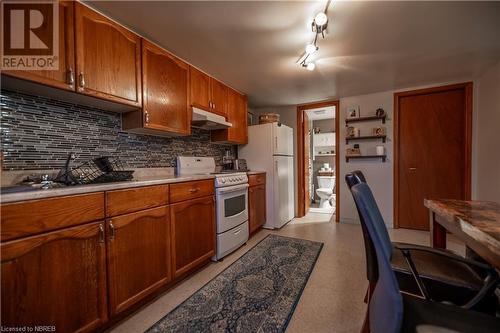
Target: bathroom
322 148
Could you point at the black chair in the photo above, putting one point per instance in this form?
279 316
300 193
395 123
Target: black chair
391 311
432 273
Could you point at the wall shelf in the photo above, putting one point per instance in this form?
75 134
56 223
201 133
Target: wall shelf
367 137
357 157
324 155
369 118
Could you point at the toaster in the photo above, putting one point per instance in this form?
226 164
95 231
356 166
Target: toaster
240 164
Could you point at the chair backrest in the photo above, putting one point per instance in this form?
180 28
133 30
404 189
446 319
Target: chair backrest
353 178
386 304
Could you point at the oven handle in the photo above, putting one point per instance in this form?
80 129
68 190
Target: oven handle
230 189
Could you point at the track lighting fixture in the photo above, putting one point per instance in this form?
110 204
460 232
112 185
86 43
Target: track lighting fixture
319 25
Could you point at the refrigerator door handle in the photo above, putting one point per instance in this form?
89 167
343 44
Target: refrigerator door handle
276 143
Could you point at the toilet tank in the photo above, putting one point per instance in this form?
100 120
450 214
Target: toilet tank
326 181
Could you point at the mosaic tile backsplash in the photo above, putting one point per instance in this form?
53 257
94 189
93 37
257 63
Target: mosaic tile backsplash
37 133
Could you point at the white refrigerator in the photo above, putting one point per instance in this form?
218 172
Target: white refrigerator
270 149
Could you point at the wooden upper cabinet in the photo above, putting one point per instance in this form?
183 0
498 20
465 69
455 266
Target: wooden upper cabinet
108 58
138 256
200 89
237 116
165 84
219 93
64 77
56 279
207 93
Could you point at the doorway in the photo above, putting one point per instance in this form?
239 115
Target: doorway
318 161
432 150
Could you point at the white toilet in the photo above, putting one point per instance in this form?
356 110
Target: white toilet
326 185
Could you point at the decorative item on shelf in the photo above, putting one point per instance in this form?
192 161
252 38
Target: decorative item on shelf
378 131
249 118
353 132
353 112
266 118
355 151
380 150
317 130
380 112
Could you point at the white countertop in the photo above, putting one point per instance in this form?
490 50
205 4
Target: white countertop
81 189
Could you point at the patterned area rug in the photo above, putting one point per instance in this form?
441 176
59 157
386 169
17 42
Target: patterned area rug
257 293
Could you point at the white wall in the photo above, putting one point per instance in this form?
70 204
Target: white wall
485 144
378 174
486 177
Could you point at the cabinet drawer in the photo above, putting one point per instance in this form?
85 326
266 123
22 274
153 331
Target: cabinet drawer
257 179
135 199
36 216
191 190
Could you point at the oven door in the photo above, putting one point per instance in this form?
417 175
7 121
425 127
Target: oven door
232 206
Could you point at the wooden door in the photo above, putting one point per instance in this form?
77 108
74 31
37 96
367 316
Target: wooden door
64 77
165 91
200 89
138 256
56 279
433 156
219 92
193 233
108 58
307 164
256 207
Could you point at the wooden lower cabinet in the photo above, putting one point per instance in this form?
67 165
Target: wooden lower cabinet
257 207
56 279
138 256
193 233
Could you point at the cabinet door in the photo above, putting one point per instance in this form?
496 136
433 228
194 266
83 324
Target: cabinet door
257 207
193 233
165 91
219 93
107 58
200 89
56 279
237 116
138 256
62 78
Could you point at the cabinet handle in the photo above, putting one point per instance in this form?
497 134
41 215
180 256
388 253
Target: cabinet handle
193 190
112 231
211 104
214 105
101 233
146 116
81 80
71 77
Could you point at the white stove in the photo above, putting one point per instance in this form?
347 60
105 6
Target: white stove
230 179
231 196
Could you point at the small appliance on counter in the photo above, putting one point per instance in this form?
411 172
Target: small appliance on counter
240 164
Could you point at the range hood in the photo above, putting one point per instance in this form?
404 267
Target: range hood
208 120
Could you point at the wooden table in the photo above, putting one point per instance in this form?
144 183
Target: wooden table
476 223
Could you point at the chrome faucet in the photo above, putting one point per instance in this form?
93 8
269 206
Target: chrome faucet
65 172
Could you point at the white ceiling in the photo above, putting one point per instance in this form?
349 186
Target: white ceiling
321 113
370 47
